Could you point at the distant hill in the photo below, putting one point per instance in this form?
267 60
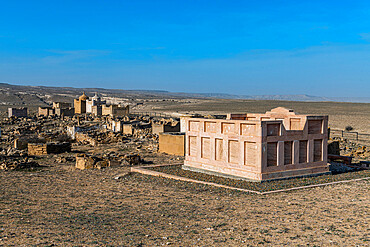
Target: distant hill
40 95
288 97
298 97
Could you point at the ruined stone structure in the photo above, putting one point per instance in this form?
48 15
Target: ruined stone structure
48 148
172 143
64 111
95 103
274 145
85 139
20 144
115 110
46 111
165 127
80 104
116 126
17 112
62 105
127 129
72 130
89 162
59 109
98 107
96 110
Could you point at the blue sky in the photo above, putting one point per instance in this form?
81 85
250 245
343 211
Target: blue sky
241 47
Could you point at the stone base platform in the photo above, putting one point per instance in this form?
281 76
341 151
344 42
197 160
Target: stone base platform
257 177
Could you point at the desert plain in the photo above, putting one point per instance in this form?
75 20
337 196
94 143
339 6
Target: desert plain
58 205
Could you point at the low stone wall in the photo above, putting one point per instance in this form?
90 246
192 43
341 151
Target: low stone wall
37 149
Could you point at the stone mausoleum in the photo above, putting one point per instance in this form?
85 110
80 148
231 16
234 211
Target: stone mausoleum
80 104
277 144
94 105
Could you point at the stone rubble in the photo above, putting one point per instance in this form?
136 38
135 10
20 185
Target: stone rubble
11 163
128 140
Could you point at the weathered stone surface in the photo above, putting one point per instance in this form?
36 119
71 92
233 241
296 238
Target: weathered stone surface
89 162
277 144
333 147
172 143
172 126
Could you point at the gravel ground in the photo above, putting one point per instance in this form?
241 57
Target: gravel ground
263 186
60 206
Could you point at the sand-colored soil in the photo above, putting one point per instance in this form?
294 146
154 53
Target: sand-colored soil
61 206
341 115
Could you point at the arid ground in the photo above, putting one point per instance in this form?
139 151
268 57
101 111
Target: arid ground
60 206
341 115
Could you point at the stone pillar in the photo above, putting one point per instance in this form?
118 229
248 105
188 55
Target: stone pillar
242 153
310 151
295 152
280 153
212 149
324 150
199 146
264 157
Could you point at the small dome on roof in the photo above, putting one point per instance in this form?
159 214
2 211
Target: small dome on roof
96 97
83 97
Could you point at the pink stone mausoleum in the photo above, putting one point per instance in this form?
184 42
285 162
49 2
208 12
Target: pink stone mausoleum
277 144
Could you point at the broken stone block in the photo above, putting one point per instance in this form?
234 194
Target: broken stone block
84 162
133 159
102 164
333 147
11 163
90 162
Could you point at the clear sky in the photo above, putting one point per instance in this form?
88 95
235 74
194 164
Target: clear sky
241 47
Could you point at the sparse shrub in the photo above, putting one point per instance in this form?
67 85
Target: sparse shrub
349 128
